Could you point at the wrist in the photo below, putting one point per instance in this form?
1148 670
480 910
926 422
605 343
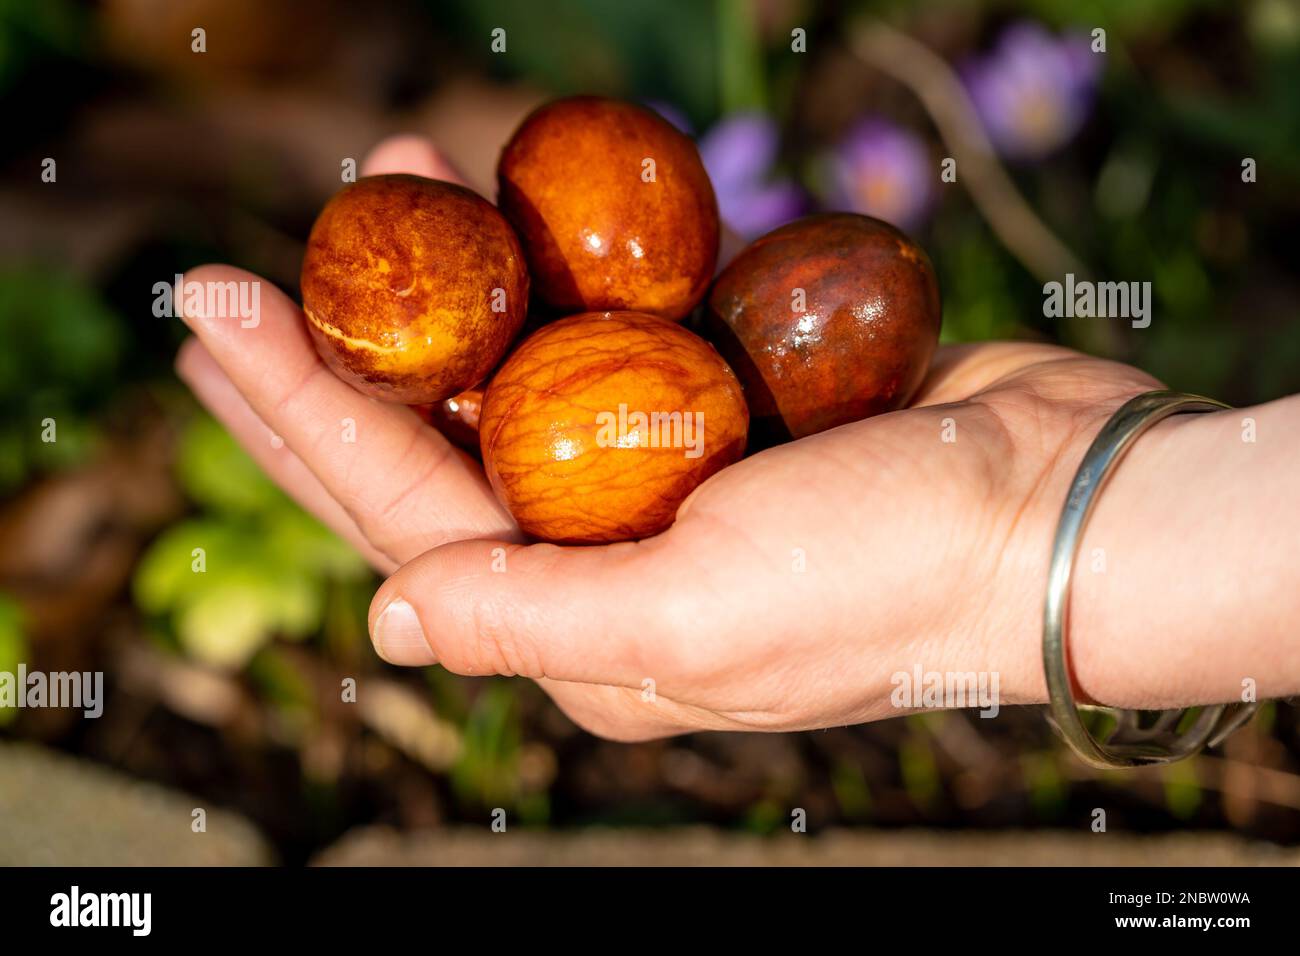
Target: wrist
1179 597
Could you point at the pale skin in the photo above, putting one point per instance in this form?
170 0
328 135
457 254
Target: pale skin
795 583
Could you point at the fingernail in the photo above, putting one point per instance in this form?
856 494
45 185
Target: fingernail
398 637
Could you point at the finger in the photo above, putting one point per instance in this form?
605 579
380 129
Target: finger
404 485
597 615
196 367
410 153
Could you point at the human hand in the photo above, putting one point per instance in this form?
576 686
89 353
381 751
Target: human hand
400 488
793 585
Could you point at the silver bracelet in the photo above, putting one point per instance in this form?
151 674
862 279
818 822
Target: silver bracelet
1139 737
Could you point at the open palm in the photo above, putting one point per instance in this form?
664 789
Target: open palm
790 589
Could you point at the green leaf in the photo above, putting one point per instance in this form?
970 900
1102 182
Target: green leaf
233 616
255 567
852 791
62 349
617 49
487 771
13 646
740 57
223 627
166 573
1183 794
220 475
227 601
299 540
58 334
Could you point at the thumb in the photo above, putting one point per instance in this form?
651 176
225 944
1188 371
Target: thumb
590 614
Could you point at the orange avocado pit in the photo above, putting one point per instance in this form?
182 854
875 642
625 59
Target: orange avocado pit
613 207
827 320
601 424
457 418
413 288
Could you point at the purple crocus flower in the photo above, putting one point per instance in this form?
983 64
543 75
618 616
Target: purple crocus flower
1034 91
672 114
883 171
739 152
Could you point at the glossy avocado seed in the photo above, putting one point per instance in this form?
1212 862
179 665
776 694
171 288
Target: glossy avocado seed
413 288
827 320
613 207
601 424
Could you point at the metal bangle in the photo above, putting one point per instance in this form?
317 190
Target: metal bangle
1139 737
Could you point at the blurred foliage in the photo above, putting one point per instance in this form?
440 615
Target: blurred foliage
1183 795
250 566
766 816
852 791
13 647
916 760
61 355
1048 790
30 32
1123 19
1152 191
619 48
741 74
486 773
